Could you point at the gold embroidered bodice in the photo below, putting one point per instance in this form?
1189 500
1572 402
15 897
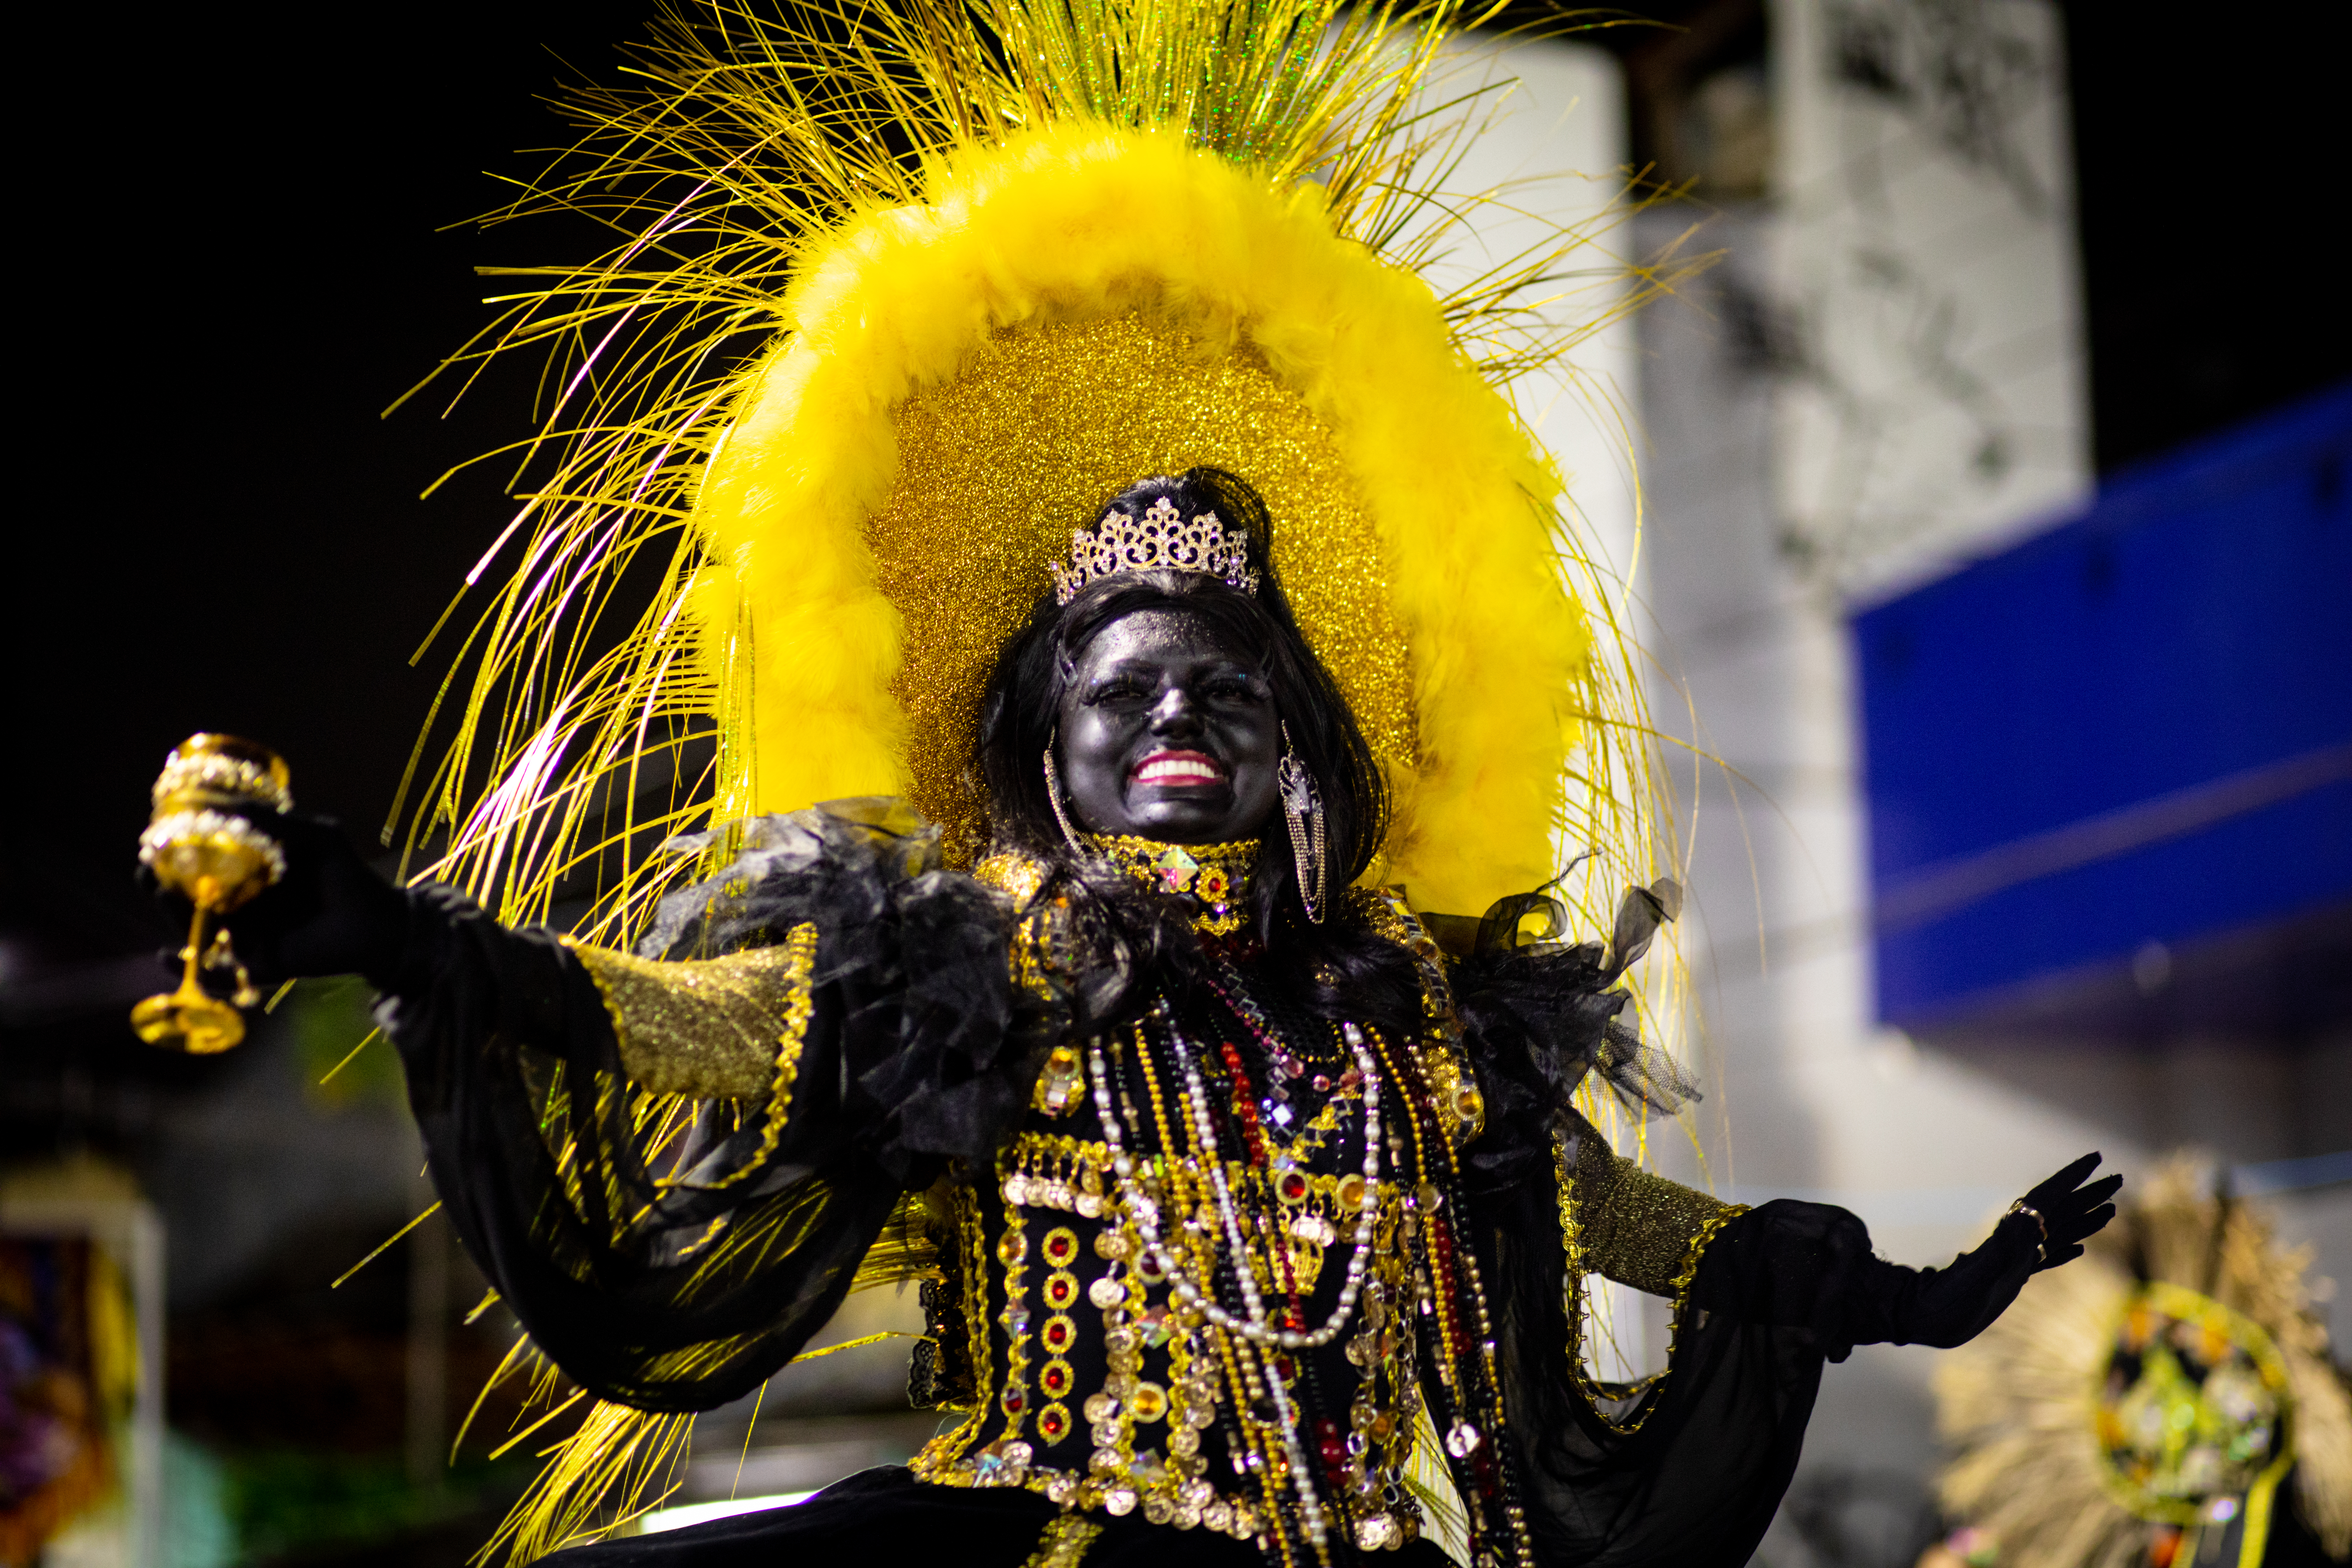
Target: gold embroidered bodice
1101 1388
1086 1371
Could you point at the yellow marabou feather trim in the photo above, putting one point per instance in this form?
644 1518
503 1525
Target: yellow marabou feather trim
1086 223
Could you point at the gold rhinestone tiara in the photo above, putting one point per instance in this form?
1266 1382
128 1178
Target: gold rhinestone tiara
1160 541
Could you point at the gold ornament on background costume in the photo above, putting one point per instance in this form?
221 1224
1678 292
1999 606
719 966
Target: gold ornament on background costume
197 847
945 279
2151 1395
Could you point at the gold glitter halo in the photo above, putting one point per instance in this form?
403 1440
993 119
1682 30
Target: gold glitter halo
1038 427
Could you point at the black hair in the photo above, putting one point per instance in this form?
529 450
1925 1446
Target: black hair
1022 706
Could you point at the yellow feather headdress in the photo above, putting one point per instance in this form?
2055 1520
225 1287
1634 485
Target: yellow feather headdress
906 294
901 294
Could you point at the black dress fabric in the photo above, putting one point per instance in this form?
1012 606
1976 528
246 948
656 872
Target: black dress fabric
884 1517
679 1274
1690 1468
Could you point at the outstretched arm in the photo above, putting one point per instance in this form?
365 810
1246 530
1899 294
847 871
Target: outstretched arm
1792 1264
1810 1264
1951 1306
711 1029
671 1169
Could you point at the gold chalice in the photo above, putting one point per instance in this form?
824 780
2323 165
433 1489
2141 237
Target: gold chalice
196 846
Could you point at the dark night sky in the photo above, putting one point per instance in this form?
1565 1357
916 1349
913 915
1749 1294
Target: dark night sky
243 265
230 260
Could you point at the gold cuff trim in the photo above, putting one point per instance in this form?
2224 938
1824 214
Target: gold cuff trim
1614 1175
728 1027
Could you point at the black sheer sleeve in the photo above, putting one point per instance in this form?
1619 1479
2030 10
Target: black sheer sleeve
1686 1466
1811 1266
670 1230
1538 1017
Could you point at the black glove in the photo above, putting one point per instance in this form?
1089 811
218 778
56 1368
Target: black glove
2070 1212
331 913
1951 1306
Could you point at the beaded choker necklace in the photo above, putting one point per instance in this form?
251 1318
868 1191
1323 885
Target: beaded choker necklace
1214 875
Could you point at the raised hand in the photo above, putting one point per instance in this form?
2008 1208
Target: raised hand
1951 1306
2067 1212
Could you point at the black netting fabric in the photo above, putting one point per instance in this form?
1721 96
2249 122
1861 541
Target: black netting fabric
671 1254
938 1048
1538 1014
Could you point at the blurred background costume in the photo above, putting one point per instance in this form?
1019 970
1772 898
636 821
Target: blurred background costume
2215 1409
1234 1240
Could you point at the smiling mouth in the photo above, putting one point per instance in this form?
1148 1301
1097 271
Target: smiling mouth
1178 768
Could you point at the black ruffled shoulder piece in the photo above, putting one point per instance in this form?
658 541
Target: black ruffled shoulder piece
938 1048
1538 1014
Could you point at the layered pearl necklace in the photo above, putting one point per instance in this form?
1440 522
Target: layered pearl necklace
1253 1324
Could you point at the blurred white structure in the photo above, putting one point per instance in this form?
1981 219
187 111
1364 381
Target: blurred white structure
1549 152
1925 273
1883 376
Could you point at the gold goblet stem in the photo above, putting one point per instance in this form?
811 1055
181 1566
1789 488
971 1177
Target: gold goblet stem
195 951
189 1018
202 840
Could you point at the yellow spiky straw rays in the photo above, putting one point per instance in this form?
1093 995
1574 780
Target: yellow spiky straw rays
653 372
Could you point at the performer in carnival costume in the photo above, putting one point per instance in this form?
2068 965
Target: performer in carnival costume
1067 479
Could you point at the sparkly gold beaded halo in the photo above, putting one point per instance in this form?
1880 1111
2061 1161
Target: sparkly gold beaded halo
968 380
1133 396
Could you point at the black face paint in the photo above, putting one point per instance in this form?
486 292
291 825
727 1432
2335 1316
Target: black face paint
1168 734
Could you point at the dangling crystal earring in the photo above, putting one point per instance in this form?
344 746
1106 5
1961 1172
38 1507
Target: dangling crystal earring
1053 794
1302 807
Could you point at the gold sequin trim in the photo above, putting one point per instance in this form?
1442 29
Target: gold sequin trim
1636 1226
728 1027
1580 1207
1135 395
1064 1542
1017 877
1039 956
